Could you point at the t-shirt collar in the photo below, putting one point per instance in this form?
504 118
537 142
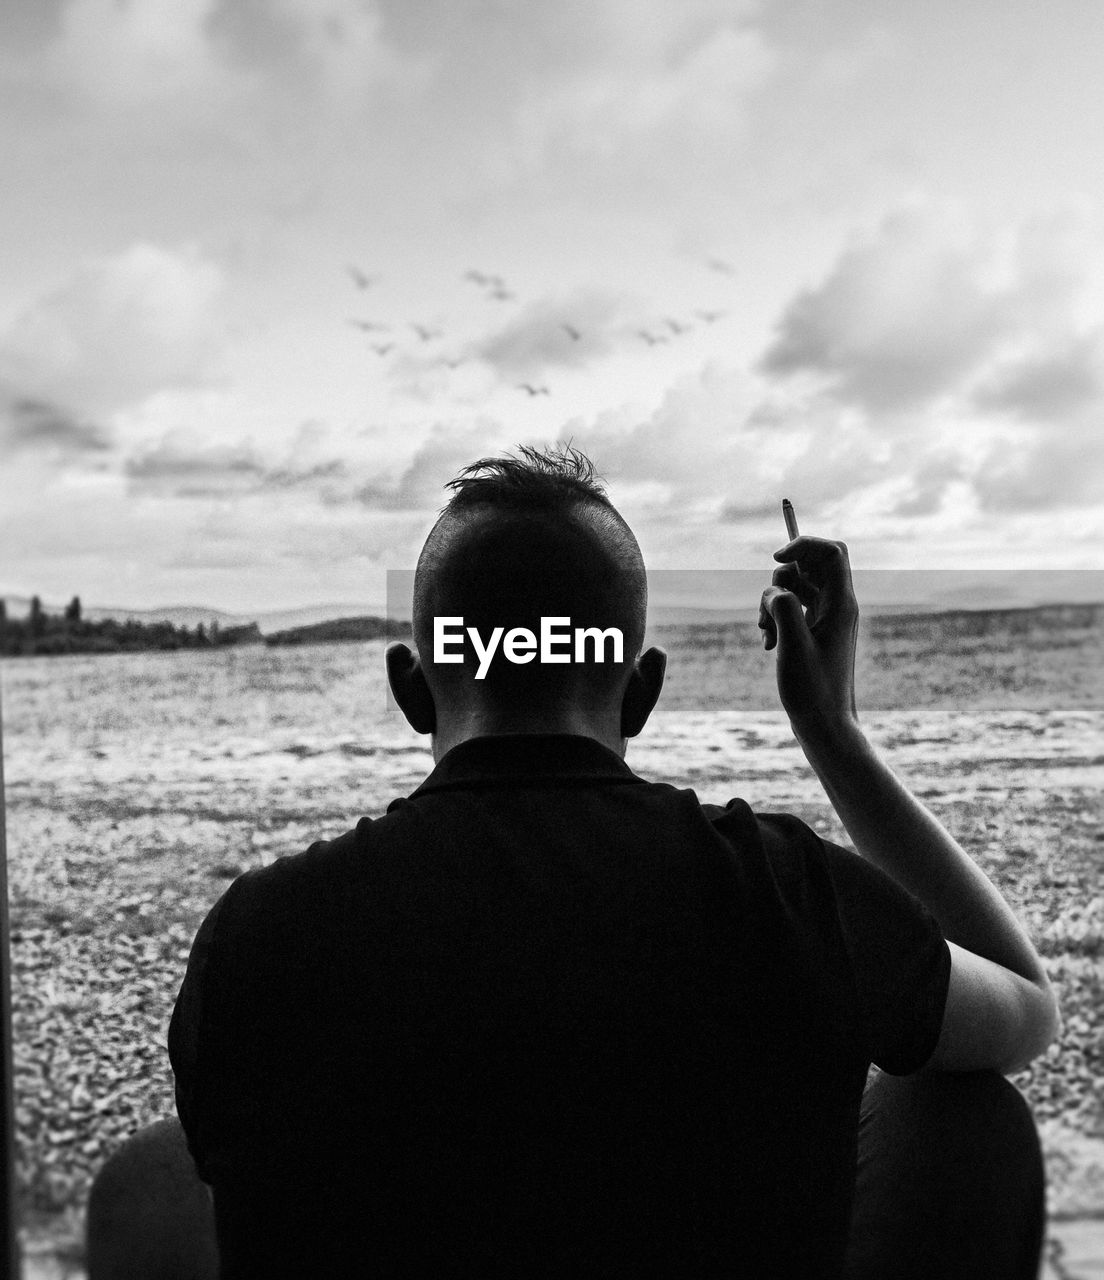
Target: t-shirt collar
524 757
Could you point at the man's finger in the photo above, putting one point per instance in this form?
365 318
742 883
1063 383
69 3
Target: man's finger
785 611
790 578
806 550
827 565
766 625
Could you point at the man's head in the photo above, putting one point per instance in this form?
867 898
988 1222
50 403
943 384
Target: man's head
524 539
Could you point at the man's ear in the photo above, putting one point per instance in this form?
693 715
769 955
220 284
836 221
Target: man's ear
408 684
642 691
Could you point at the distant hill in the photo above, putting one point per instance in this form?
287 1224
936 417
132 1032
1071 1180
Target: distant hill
667 615
913 594
42 633
888 619
274 620
945 623
191 615
365 627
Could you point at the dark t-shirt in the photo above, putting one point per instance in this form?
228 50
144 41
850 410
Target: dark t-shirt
547 1019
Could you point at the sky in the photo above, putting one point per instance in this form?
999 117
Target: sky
274 270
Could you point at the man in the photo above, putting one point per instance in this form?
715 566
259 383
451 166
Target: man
547 1019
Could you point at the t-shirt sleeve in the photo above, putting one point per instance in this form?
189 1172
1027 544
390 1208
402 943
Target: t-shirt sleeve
879 949
899 958
185 1029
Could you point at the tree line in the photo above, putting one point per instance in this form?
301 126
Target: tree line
41 632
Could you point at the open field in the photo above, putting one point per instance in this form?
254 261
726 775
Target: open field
139 785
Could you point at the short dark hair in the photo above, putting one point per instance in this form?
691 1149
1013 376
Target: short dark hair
540 479
524 537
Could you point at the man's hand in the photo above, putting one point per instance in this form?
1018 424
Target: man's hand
811 615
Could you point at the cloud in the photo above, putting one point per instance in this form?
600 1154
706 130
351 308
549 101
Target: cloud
334 46
128 53
697 452
1047 451
623 93
553 333
120 329
175 468
420 486
196 57
1038 471
1048 385
550 42
928 482
643 73
182 465
41 427
257 32
179 466
972 358
737 510
900 319
28 24
314 470
336 101
235 113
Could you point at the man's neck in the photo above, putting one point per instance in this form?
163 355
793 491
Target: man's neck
487 722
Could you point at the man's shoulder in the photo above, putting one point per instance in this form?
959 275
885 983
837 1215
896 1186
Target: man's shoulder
792 863
323 861
782 840
781 836
736 822
292 874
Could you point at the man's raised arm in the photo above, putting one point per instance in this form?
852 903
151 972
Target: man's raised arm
1001 1011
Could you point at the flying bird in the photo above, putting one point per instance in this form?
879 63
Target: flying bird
425 332
369 326
382 348
484 279
652 339
361 278
495 285
571 332
533 391
710 317
676 328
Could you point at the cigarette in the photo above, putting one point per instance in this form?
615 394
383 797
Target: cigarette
790 518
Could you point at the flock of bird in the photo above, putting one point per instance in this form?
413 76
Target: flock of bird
495 289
